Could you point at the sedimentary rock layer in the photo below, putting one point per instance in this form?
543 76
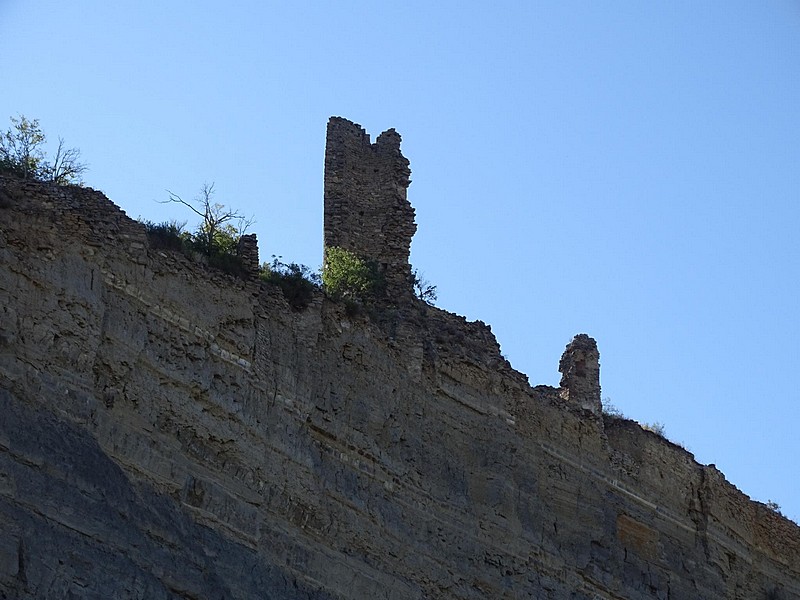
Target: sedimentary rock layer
169 431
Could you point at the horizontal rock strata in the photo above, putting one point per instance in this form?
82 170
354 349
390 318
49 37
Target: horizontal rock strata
168 431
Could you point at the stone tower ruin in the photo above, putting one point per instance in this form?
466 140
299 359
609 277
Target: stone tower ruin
366 209
580 373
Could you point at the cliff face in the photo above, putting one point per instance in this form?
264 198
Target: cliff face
168 431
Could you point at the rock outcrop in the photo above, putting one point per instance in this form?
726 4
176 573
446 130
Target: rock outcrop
169 431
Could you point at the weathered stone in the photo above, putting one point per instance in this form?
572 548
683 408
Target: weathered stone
247 251
580 374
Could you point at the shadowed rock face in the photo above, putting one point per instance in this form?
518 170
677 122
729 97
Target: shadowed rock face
85 529
170 432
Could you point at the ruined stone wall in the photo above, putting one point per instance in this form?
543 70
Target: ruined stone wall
366 208
580 374
168 431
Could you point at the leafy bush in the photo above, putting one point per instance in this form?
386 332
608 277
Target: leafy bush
230 263
168 235
223 241
297 282
345 276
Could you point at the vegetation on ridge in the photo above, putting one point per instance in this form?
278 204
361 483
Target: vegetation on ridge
216 237
345 276
348 277
423 289
613 412
297 282
22 155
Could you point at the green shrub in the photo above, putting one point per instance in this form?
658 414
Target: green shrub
230 263
168 235
297 282
224 240
345 276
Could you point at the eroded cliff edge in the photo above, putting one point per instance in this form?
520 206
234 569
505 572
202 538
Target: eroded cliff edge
168 431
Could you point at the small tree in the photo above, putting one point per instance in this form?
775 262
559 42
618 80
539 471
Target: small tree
217 234
21 154
774 507
20 148
423 288
65 168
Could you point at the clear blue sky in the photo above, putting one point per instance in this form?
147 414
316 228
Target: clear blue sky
626 169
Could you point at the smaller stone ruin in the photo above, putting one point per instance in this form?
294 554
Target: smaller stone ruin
580 374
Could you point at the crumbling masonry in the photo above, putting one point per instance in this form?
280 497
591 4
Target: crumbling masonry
366 208
580 374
